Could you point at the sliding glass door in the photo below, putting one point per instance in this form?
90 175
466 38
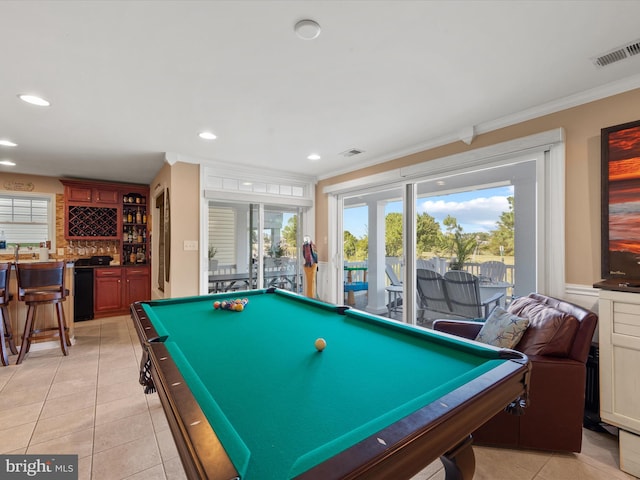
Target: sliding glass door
373 251
281 251
253 246
483 220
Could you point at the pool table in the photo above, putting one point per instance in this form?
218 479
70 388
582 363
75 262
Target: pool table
247 394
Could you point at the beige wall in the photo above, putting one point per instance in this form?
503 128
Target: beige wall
10 182
184 193
582 127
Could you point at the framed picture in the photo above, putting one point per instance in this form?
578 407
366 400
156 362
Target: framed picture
621 201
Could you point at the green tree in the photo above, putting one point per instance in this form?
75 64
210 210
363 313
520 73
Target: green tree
504 234
349 245
427 233
444 242
362 248
290 233
482 239
393 234
454 242
427 230
451 225
462 247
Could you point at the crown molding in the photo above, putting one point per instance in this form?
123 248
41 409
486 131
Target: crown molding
581 98
238 170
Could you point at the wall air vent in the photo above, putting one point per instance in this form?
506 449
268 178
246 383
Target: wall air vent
351 152
617 54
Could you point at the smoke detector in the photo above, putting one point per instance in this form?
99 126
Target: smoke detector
307 29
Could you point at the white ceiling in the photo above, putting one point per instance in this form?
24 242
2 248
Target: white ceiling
129 81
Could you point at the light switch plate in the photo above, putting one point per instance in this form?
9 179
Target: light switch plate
190 245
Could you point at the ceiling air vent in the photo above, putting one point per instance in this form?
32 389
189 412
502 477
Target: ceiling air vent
618 54
351 152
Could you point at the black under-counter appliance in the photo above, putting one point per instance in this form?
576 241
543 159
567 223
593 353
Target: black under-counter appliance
83 286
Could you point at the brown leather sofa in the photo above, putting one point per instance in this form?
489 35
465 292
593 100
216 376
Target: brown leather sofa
557 343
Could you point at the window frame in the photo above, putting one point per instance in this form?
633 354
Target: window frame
50 198
550 191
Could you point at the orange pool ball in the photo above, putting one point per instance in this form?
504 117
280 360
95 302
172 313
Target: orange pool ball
320 344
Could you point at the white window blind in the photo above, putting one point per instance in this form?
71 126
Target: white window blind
222 233
26 220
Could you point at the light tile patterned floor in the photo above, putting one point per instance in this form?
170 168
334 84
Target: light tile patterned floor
90 404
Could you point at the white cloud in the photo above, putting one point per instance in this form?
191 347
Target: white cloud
475 215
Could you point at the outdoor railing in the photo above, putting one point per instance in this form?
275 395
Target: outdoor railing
441 265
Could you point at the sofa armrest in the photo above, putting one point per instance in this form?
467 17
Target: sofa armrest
552 418
461 328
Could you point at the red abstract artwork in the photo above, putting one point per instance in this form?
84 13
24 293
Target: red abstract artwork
621 201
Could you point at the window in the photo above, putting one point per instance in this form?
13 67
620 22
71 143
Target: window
533 166
253 245
27 220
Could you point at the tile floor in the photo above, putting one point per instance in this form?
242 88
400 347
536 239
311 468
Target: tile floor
90 404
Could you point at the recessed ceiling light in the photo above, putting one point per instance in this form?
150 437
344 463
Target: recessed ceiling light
314 156
8 143
8 163
440 182
34 100
307 29
207 135
246 184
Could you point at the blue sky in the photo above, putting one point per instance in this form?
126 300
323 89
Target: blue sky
476 211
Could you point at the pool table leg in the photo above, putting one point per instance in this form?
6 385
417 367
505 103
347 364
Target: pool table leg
460 463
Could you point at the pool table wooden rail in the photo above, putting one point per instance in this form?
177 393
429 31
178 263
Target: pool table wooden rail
440 429
200 450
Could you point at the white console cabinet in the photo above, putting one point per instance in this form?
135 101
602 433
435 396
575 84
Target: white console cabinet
619 338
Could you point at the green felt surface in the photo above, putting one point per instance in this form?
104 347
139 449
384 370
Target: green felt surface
277 404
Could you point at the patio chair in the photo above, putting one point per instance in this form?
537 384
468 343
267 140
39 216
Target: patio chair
394 290
393 278
431 291
463 293
430 264
493 271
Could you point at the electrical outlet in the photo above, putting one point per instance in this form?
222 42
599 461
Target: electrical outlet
61 252
190 245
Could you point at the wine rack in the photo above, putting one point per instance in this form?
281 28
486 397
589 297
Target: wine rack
134 229
114 217
86 222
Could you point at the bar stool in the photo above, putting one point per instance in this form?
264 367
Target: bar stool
42 283
5 323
